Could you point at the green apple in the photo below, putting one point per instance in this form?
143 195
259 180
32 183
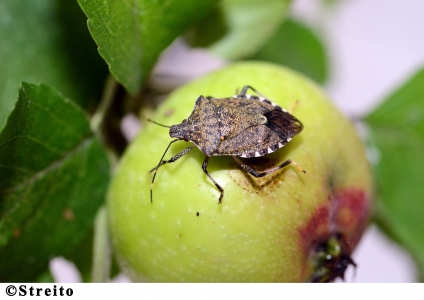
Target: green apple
271 229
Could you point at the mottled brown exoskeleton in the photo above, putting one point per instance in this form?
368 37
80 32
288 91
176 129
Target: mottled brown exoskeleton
241 126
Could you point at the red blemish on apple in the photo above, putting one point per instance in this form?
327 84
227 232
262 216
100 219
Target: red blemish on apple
316 229
314 232
350 209
346 214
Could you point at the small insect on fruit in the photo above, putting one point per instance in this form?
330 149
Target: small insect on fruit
241 126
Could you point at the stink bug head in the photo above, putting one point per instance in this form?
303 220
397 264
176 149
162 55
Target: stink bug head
182 130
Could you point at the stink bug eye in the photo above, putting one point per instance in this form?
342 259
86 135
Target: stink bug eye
240 126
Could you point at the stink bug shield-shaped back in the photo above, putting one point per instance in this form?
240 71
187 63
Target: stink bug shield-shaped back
241 126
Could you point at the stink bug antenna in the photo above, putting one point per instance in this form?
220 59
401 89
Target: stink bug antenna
150 120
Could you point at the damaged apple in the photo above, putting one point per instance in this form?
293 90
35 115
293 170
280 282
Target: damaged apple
283 227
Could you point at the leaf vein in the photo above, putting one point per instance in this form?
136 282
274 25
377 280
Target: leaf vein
55 164
47 147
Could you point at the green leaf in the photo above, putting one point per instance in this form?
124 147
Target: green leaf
238 28
404 109
54 174
132 33
397 134
48 41
82 256
296 46
45 277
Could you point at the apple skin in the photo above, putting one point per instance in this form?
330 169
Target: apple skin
266 229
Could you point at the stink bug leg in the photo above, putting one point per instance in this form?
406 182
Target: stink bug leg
204 167
173 159
162 162
246 87
257 174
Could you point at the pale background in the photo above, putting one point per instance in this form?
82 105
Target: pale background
373 45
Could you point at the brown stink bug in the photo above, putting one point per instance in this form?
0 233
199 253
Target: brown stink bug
241 126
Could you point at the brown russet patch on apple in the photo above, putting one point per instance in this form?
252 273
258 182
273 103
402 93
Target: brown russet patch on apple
258 185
